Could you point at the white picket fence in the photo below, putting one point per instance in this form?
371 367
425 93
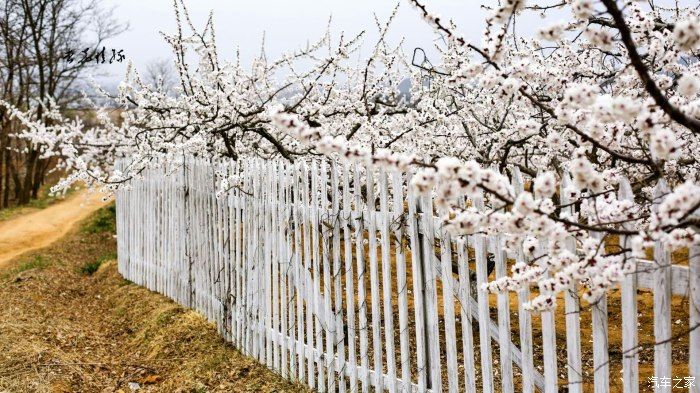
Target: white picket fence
342 278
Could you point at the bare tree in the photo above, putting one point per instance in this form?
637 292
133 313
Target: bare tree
161 75
36 37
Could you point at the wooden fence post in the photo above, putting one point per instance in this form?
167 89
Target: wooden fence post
188 231
662 301
572 305
524 317
361 271
401 284
422 353
481 257
630 360
694 356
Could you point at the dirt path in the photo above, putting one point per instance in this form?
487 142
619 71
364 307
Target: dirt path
41 228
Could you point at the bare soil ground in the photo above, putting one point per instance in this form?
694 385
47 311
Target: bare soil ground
40 228
70 323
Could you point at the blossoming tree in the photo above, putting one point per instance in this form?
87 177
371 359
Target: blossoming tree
606 98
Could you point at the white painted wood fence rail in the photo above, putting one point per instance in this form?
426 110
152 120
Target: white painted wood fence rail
342 278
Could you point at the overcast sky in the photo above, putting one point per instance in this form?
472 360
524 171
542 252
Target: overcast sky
288 24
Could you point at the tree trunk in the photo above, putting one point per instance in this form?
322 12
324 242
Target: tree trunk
3 168
39 176
26 190
6 190
16 180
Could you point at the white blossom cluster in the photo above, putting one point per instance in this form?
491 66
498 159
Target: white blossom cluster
687 33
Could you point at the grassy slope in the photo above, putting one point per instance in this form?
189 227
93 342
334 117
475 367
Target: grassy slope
70 322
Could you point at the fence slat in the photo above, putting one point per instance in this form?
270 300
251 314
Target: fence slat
430 298
401 284
328 322
599 317
418 289
309 306
350 327
524 317
261 265
319 304
249 261
484 315
386 281
466 312
245 260
300 289
694 324
374 277
201 282
662 302
549 341
361 273
340 336
448 307
630 357
266 273
239 233
504 337
480 254
283 265
572 305
290 260
273 275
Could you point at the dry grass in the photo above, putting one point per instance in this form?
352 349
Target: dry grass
67 331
